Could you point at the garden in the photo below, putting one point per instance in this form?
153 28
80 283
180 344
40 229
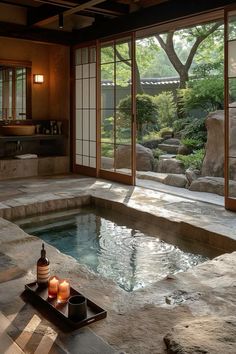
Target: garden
172 124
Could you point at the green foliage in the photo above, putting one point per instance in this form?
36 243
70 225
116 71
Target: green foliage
153 135
166 131
166 108
192 144
146 111
194 160
192 129
207 94
157 152
107 150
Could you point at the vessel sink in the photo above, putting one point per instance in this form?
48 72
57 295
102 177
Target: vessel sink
18 129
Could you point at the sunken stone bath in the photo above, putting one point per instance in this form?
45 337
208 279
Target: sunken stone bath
187 312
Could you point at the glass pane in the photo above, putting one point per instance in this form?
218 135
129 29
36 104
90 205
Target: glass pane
232 92
107 156
123 159
232 177
107 54
123 51
123 127
232 25
123 73
107 126
232 59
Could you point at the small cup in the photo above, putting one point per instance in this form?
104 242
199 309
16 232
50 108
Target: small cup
77 308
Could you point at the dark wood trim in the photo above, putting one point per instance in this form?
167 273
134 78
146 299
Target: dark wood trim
226 111
84 170
117 177
17 63
154 15
133 127
28 93
14 30
98 108
72 110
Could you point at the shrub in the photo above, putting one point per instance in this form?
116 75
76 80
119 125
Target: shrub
166 131
166 108
146 112
194 160
192 129
207 94
192 144
157 152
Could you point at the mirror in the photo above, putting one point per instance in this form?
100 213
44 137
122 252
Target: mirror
15 90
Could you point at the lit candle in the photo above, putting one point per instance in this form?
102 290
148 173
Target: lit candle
53 287
63 293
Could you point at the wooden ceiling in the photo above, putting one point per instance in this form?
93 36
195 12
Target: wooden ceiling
72 21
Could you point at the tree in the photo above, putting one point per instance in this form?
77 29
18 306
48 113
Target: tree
194 37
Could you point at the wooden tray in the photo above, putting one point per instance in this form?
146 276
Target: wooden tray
40 297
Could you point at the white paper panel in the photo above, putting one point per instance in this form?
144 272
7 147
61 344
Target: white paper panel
79 147
85 148
85 70
79 160
85 161
92 162
92 149
86 93
86 124
78 123
78 56
92 70
92 93
78 94
78 71
92 125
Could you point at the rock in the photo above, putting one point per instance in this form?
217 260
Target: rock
169 148
152 144
144 158
213 163
208 184
172 141
152 176
184 150
203 335
213 185
191 175
107 163
170 166
176 180
167 156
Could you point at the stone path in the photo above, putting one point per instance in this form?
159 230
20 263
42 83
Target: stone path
137 322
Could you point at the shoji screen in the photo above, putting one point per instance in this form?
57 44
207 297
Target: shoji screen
85 105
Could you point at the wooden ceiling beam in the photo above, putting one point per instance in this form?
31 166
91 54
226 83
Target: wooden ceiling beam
14 30
46 18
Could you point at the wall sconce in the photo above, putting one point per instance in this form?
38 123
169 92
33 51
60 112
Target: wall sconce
38 79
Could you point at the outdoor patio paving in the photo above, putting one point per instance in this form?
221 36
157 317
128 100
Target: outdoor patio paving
137 322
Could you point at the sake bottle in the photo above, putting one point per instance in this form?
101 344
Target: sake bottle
43 270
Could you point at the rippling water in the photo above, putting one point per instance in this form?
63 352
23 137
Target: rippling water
129 257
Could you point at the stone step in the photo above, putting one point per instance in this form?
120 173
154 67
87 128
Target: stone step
169 148
8 346
167 156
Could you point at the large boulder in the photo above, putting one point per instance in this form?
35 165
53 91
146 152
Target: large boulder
213 163
212 185
170 166
203 335
144 158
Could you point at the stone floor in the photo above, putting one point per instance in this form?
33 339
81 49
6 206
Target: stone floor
201 300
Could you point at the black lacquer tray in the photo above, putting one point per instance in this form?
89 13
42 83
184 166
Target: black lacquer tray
39 296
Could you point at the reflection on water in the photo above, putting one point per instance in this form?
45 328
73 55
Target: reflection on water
129 257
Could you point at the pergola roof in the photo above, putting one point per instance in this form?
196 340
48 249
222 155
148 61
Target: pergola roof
85 20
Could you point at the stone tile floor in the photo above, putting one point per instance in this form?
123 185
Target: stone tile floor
136 322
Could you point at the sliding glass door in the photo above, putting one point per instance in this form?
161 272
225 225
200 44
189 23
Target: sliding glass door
230 109
117 110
